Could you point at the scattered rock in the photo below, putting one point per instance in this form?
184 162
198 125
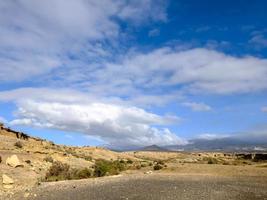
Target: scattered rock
28 162
148 172
13 161
7 182
26 195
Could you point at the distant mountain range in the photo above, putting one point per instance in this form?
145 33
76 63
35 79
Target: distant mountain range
153 148
219 144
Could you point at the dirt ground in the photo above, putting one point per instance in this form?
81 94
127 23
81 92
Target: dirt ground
156 186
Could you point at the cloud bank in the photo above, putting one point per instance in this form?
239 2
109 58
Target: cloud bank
37 37
83 45
116 125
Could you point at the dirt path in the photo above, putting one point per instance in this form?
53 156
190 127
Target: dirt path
156 186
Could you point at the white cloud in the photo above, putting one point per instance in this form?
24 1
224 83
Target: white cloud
38 36
264 109
209 136
72 50
138 11
45 94
258 39
193 71
255 135
165 75
153 32
200 107
117 125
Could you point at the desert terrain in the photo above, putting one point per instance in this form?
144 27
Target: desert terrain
33 168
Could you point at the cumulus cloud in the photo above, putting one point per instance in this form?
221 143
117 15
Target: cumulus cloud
191 71
77 50
38 36
200 107
117 125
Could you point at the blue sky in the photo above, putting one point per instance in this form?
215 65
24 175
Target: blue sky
133 73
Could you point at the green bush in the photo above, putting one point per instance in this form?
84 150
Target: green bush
81 174
60 171
104 167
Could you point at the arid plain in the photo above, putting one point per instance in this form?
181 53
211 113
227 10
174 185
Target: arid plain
27 163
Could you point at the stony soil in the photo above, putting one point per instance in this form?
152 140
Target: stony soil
156 187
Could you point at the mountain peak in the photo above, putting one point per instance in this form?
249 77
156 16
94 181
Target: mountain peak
153 148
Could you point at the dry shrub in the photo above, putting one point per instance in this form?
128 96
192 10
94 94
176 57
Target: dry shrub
18 144
49 159
129 161
60 171
157 167
210 160
160 162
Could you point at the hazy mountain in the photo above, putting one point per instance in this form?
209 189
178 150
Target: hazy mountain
221 144
153 148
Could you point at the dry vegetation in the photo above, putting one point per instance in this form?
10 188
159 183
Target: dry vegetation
45 161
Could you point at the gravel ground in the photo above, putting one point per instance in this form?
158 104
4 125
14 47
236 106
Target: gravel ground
155 187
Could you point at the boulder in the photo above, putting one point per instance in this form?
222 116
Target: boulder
13 161
7 182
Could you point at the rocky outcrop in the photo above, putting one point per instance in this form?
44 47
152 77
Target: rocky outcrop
13 161
7 182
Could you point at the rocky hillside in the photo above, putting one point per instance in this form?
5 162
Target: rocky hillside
24 160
